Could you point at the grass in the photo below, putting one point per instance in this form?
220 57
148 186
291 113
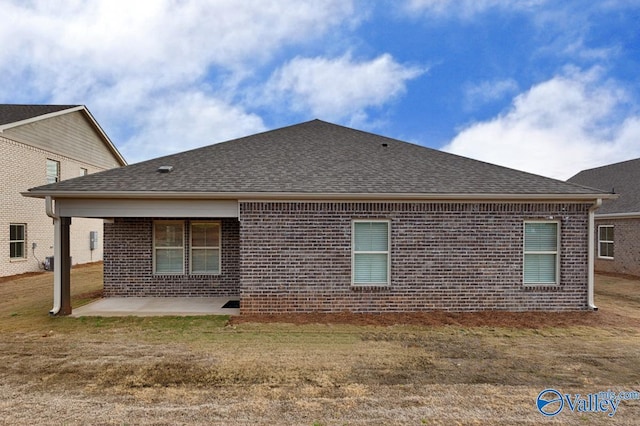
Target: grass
205 370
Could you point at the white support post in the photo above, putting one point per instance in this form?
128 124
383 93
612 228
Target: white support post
592 255
57 264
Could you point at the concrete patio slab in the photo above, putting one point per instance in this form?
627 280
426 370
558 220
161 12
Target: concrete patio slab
156 306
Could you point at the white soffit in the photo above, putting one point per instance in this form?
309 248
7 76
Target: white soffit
107 208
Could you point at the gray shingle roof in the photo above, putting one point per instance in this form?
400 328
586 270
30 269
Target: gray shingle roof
11 113
315 157
622 178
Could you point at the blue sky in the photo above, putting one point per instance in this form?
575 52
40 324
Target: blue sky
550 87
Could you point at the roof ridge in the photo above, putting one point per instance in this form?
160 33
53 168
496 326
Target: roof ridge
319 157
611 164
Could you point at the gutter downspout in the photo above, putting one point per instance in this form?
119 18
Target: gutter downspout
57 259
591 255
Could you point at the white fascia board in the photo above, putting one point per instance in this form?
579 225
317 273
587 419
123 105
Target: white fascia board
292 196
109 208
629 215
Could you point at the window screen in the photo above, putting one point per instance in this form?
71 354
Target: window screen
541 253
168 241
53 171
205 248
371 252
16 241
605 241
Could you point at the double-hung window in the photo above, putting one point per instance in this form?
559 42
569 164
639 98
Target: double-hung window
605 241
53 171
541 259
168 247
17 241
370 252
205 248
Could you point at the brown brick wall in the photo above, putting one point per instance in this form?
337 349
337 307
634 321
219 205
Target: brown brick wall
626 246
296 257
128 263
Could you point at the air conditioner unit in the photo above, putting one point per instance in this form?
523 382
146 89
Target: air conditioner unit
48 262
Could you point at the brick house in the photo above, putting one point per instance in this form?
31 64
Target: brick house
617 221
318 217
41 144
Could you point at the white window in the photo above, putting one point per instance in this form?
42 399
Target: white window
83 171
168 247
370 252
541 260
205 248
605 241
17 240
53 171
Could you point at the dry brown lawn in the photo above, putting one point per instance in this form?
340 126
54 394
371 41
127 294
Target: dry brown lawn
484 368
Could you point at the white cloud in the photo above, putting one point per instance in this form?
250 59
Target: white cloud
124 58
466 8
339 88
488 91
194 34
557 128
578 49
186 121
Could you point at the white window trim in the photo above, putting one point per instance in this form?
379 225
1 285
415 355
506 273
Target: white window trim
23 241
219 247
387 252
57 176
556 252
153 231
600 256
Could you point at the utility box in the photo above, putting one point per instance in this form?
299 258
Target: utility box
93 240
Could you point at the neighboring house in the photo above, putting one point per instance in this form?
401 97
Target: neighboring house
617 221
42 144
318 217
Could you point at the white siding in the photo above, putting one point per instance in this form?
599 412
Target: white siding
69 135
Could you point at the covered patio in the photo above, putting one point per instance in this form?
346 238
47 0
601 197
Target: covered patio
158 306
139 282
